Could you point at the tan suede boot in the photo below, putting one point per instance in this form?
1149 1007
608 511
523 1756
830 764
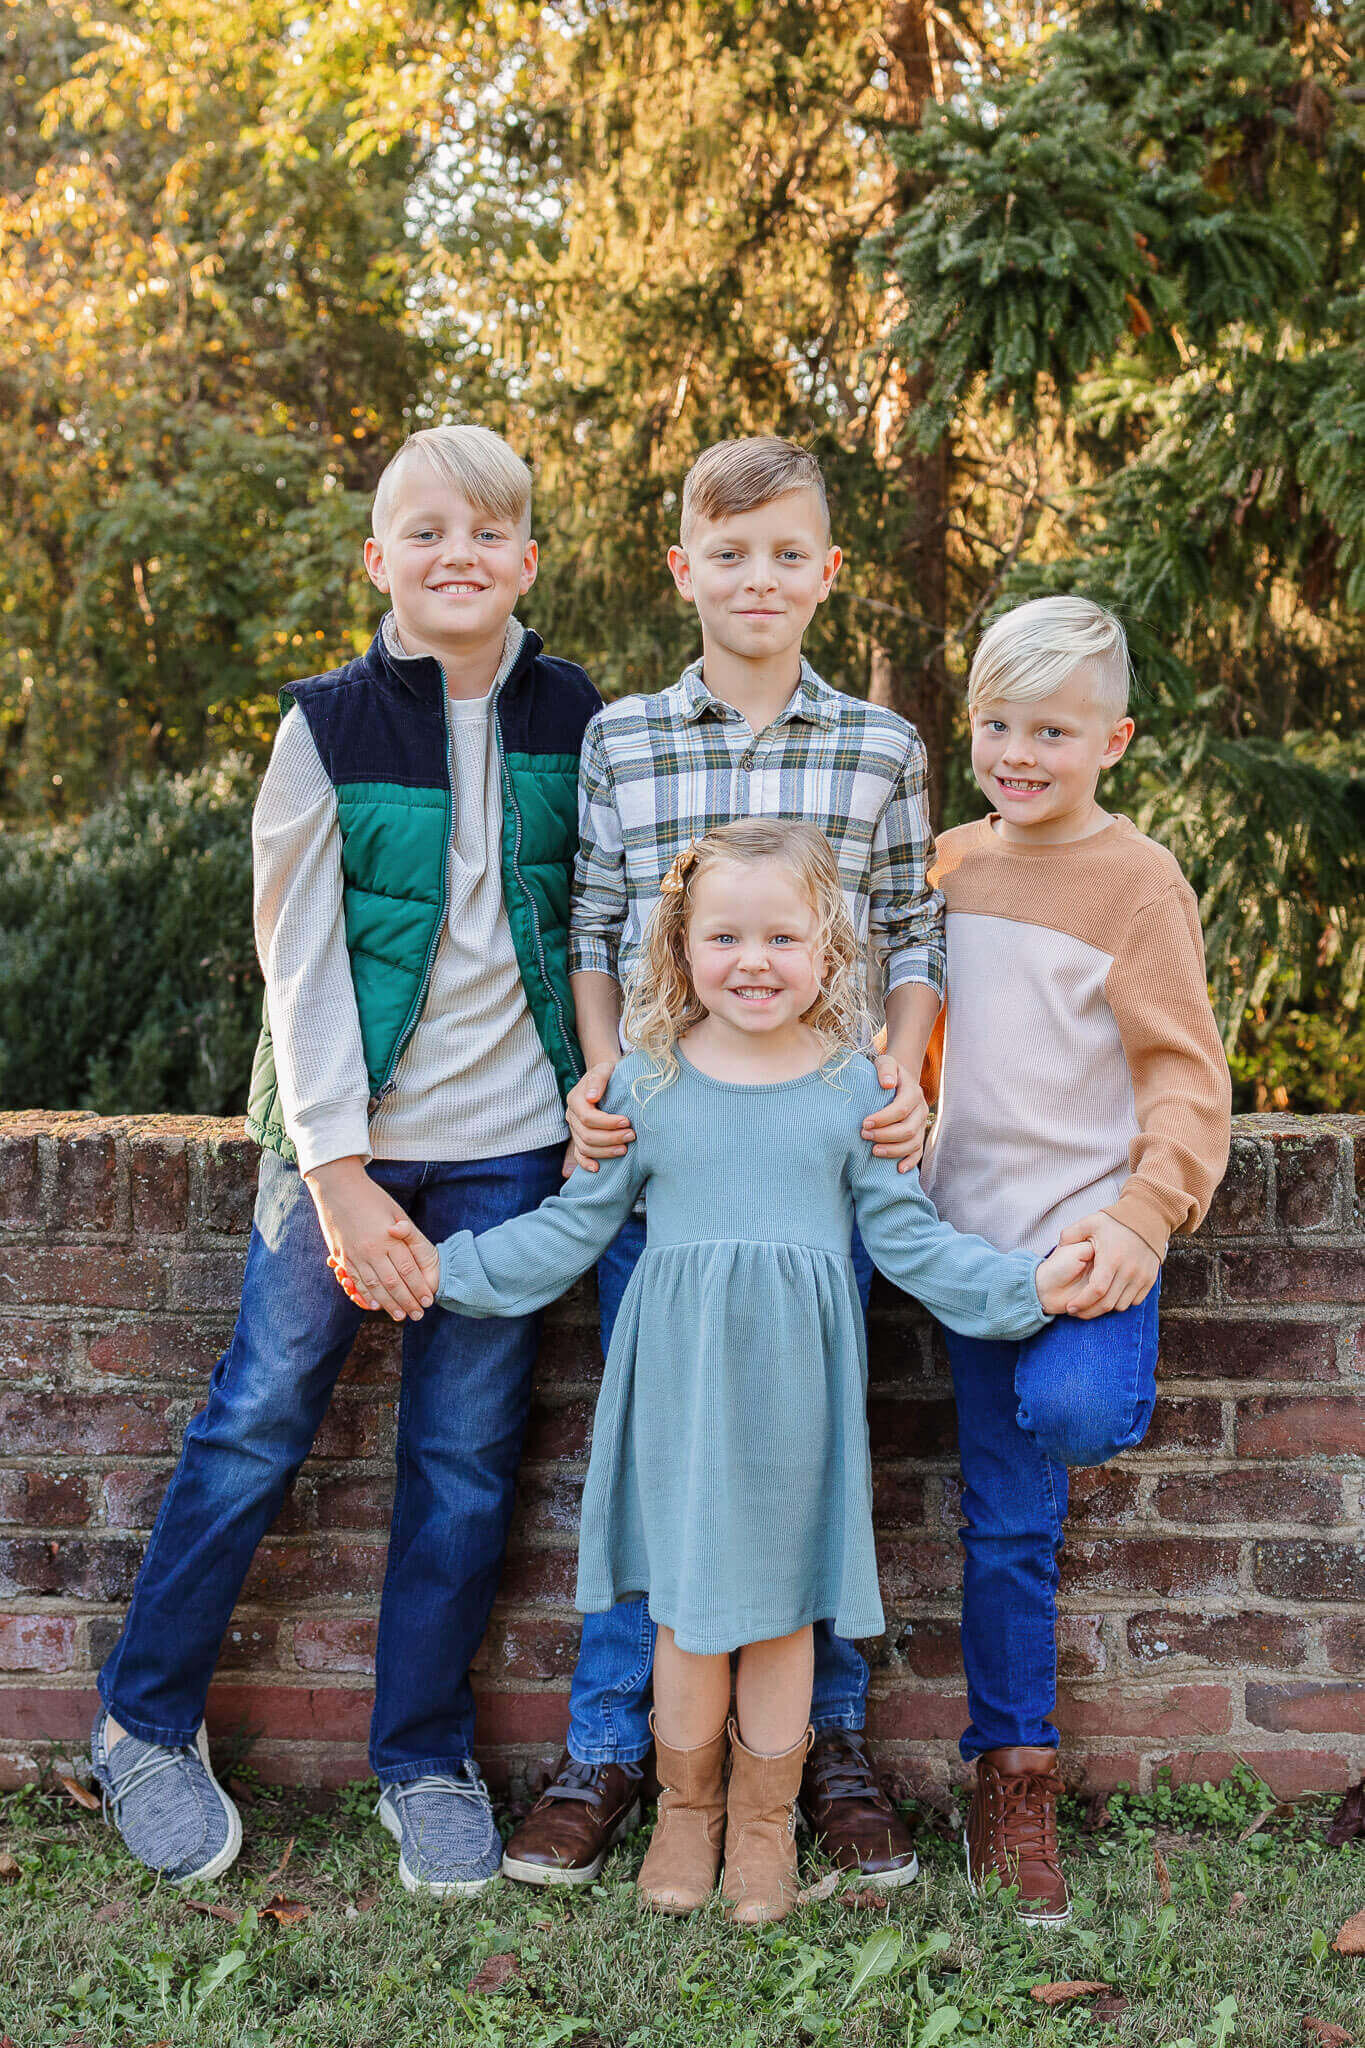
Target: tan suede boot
683 1859
760 1831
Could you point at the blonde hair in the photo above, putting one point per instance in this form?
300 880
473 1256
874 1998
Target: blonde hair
474 461
739 476
1029 652
661 1002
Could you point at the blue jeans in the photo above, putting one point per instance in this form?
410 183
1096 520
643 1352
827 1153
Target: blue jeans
613 1681
461 1415
1075 1394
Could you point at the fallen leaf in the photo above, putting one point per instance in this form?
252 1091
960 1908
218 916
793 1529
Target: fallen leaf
243 1794
213 1912
286 1912
1266 1813
115 1910
1330 2035
1062 1994
823 1888
1349 1823
1108 2005
283 1863
9 1869
545 1926
1097 1815
1163 1875
868 1899
1236 1903
1350 1939
79 1794
494 1974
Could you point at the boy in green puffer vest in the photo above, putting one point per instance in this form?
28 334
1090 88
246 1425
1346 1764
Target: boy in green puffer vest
414 842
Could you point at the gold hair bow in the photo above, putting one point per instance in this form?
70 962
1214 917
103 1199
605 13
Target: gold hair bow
675 881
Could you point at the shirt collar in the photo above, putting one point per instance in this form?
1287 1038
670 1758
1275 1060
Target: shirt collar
811 700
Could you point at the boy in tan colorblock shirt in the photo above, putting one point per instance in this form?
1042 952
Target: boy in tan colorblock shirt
1082 1092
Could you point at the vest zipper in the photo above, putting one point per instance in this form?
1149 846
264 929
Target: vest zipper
389 1082
510 796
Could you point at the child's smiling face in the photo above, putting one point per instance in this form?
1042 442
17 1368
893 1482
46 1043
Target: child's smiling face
757 577
1040 762
751 946
453 571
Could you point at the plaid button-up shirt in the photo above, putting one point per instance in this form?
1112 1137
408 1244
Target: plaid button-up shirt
657 771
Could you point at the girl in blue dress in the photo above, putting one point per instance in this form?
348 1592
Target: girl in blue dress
730 1478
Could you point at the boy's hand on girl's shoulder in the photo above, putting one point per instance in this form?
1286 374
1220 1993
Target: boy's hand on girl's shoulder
597 1133
897 1132
356 1215
1124 1270
1062 1276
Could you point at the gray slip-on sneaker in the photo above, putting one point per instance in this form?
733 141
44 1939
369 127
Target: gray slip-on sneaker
166 1803
448 1840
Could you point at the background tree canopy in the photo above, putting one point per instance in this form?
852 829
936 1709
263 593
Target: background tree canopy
1064 297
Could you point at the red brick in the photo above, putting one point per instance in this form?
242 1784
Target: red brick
1236 1498
37 1642
1309 1182
159 1175
226 1193
181 1350
548 1501
355 1429
562 1431
87 1181
1153 1715
1228 1641
317 1569
1295 1273
250 1645
547 1577
910 1715
71 1425
918 1571
81 1276
897 1498
132 1498
1290 1773
336 1643
930 1649
211 1279
1103 1771
1302 1426
348 1500
21 1183
46 1713
903 1355
1242 1202
33 1347
321 1765
291 1713
44 1500
376 1356
571 1353
1291 1569
70 1567
1344 1640
911 1429
539 1649
521 1716
1307 1707
1186 1276
1180 1424
1205 1348
1103 1496
1170 1565
1081 1649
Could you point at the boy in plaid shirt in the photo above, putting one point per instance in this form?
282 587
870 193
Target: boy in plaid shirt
750 730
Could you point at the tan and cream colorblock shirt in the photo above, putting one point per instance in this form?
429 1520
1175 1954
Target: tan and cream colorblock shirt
1077 1063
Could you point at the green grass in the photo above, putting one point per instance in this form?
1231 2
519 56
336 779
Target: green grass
372 1968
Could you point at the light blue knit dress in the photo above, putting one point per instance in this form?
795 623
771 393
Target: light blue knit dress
730 1478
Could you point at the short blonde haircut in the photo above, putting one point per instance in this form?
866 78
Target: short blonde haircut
1028 653
474 461
661 1003
739 476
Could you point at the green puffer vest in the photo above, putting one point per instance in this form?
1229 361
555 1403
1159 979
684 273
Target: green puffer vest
380 729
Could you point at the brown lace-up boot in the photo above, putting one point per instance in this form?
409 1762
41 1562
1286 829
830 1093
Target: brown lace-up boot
760 1831
683 1860
1012 1830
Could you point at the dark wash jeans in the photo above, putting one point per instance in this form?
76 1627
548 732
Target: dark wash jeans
1077 1393
461 1416
614 1678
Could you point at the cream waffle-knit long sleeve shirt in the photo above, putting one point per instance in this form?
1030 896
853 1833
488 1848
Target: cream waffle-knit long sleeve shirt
1078 1063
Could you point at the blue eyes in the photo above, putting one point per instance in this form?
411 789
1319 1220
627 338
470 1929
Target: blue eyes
729 939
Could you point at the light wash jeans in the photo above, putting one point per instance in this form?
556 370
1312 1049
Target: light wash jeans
461 1415
613 1681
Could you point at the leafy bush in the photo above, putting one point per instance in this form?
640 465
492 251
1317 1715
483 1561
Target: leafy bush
128 975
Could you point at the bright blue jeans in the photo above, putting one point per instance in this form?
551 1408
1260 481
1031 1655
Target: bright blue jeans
613 1682
461 1415
1075 1394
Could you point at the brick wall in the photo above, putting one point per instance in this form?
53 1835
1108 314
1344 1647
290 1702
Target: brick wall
1214 1582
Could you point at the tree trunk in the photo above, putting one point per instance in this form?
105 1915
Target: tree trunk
908 669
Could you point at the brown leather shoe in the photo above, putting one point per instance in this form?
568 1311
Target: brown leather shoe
851 1817
1012 1830
565 1837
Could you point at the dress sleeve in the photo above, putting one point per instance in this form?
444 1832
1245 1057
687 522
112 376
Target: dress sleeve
965 1282
530 1260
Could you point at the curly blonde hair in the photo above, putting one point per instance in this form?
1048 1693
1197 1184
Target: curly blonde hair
661 1002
